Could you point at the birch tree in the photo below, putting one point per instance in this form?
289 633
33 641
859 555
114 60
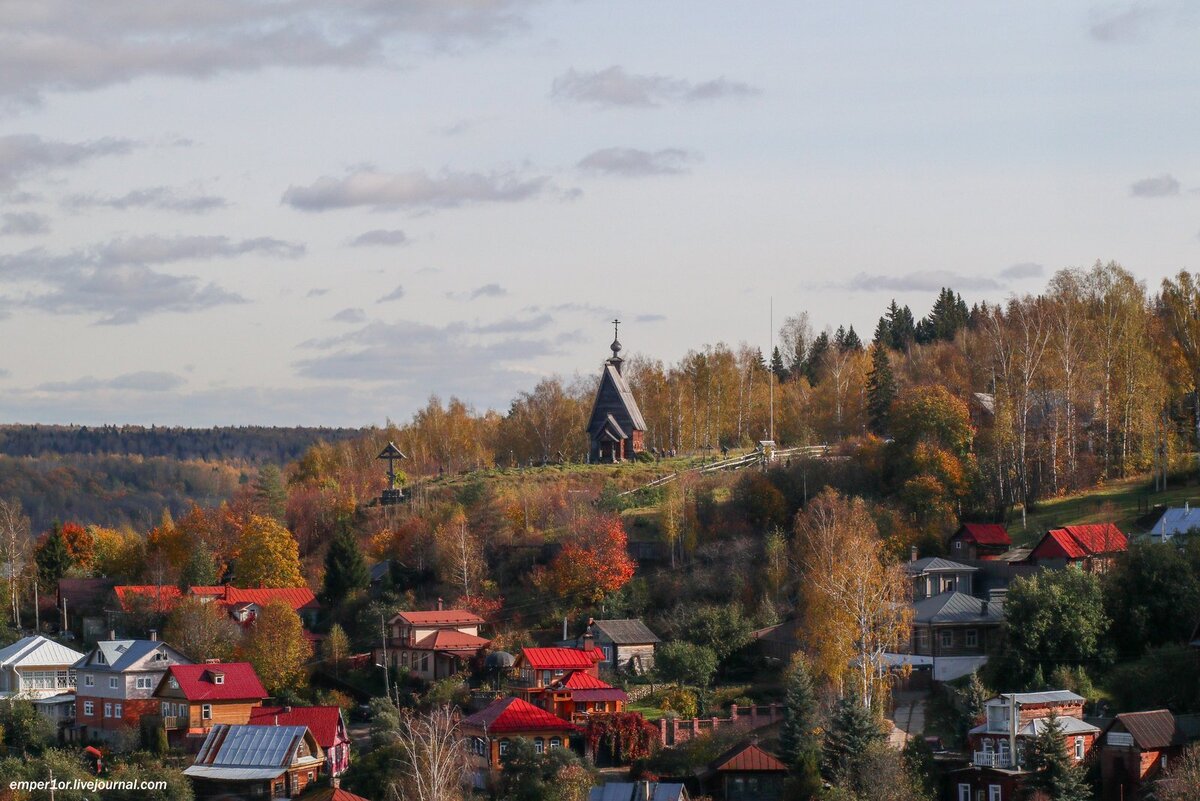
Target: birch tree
434 763
14 551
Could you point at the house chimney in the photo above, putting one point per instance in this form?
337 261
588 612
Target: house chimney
912 554
335 782
112 634
983 608
287 710
439 606
589 639
647 791
153 635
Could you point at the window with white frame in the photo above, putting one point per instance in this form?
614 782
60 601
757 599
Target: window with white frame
145 683
116 710
89 708
503 747
947 638
112 682
206 711
555 742
972 638
994 792
108 710
539 745
89 680
1078 748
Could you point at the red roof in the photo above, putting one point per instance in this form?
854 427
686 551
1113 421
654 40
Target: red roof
986 534
162 598
440 617
322 721
330 794
165 597
579 680
450 640
515 715
748 757
199 682
296 597
561 658
1079 542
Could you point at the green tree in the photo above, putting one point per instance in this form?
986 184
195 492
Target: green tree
781 372
685 663
974 697
24 728
853 730
1052 618
1151 596
346 571
200 569
881 389
530 776
335 648
799 742
268 555
722 628
52 558
1054 772
270 496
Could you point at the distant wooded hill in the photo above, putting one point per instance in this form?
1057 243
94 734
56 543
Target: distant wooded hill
250 444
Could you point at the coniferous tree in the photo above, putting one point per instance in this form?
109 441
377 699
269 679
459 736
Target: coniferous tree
200 570
798 742
270 496
816 355
851 342
901 326
52 558
1054 772
781 372
345 569
881 389
883 333
852 731
839 337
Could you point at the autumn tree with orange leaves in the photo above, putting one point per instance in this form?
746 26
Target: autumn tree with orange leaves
592 564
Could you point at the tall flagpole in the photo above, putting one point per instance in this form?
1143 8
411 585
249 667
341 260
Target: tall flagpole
770 367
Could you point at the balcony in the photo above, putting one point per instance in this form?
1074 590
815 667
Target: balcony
174 722
992 759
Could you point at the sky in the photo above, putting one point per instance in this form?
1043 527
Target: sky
297 212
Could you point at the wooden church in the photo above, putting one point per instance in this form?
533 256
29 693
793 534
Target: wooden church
616 430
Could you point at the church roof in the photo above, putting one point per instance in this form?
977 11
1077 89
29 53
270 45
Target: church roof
614 392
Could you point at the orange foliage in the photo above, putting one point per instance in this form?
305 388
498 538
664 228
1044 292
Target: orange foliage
79 544
592 564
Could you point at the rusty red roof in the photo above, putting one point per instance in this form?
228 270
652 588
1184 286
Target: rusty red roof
440 617
331 794
322 721
1153 730
561 658
450 640
1079 542
238 681
986 534
162 598
748 757
510 715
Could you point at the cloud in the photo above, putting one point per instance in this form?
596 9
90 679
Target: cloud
395 294
1025 269
485 291
650 318
628 161
141 381
24 155
23 223
316 293
413 190
920 281
1164 185
155 197
115 279
1123 25
355 316
616 87
514 325
380 236
65 45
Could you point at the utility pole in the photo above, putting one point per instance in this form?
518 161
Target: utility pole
387 690
770 371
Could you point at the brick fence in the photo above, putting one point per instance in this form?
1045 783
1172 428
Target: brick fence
673 731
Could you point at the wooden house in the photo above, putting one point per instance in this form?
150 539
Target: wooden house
616 430
489 731
746 773
256 762
627 644
433 644
326 724
998 771
537 670
1092 547
1138 748
933 576
579 695
955 630
194 698
981 541
115 685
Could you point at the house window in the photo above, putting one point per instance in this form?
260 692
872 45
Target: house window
546 677
555 742
958 545
972 638
539 745
89 680
89 708
503 747
116 710
947 639
993 792
108 710
607 649
218 678
1078 748
112 682
174 682
923 639
165 709
144 683
206 711
159 656
964 792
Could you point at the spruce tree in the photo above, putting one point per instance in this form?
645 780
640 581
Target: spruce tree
881 389
798 743
816 356
851 342
852 731
200 569
52 558
345 569
883 333
1054 771
777 367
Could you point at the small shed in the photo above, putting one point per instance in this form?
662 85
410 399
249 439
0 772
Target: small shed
746 773
628 644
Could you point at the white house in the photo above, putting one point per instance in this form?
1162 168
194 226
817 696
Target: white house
1176 520
35 667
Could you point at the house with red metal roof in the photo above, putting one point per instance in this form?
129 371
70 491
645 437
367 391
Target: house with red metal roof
243 605
432 644
1093 547
489 732
745 773
325 722
537 669
984 541
194 698
580 694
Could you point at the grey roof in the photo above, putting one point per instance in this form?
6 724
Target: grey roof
611 377
379 570
936 564
231 774
629 791
956 607
1047 697
627 632
120 655
1033 728
1014 555
1177 520
243 746
36 650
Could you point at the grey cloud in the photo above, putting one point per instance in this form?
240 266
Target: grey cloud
141 381
488 291
1123 25
920 281
650 318
355 316
156 197
616 87
1164 185
514 325
61 45
395 294
161 250
414 190
1025 269
24 155
632 162
316 293
23 223
380 236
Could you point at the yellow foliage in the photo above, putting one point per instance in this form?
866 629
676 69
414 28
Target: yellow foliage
268 555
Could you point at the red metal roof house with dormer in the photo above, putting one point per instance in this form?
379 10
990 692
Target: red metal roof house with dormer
1093 547
433 644
984 541
194 698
